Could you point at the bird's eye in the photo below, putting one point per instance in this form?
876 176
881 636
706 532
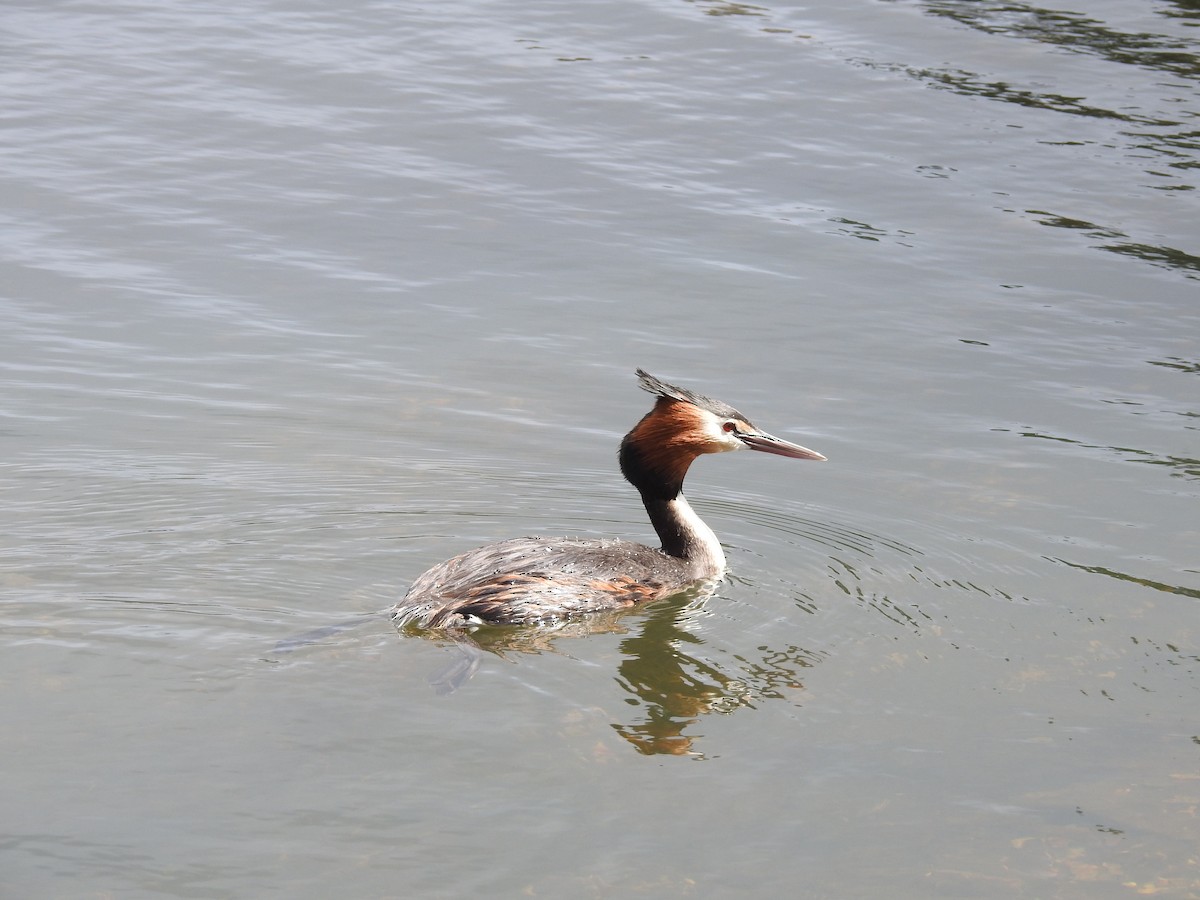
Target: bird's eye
729 427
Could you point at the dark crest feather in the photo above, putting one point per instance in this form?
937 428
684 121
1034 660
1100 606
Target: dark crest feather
648 382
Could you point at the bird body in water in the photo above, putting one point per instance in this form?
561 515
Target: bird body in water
533 580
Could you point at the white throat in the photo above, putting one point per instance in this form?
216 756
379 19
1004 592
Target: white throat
703 550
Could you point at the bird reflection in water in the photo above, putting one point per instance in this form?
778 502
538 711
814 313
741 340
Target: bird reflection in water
672 687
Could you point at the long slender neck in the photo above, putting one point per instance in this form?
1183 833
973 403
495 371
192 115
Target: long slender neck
655 460
684 535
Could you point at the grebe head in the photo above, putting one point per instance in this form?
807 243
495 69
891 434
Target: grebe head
656 454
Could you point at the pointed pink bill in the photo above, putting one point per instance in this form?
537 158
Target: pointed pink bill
768 443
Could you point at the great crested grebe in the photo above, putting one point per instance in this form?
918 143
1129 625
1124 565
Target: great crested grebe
539 580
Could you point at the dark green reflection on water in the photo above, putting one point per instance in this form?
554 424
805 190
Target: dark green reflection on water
1167 132
1075 32
1177 363
973 84
1113 241
1179 466
1122 576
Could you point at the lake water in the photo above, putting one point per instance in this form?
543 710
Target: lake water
299 299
